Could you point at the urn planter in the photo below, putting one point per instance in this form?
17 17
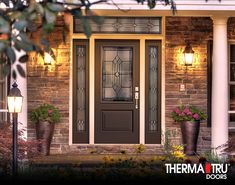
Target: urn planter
44 133
190 132
45 116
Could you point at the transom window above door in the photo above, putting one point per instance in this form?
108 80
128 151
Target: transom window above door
136 25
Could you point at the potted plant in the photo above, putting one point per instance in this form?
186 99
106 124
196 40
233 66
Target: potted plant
189 118
45 116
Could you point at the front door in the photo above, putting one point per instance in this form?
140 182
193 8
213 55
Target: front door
117 91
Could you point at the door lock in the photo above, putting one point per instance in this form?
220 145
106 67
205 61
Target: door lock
136 97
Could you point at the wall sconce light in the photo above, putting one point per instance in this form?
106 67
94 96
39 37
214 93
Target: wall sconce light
48 58
188 55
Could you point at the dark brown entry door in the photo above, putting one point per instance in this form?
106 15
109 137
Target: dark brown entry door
117 91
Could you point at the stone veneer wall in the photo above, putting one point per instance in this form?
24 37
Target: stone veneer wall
51 84
179 31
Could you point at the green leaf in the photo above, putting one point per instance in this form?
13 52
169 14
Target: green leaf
24 46
4 25
20 70
31 26
31 8
97 19
48 27
16 15
2 61
86 28
14 74
151 4
6 69
20 25
23 59
32 16
45 43
39 9
55 7
37 49
24 37
11 54
76 12
2 46
50 16
17 47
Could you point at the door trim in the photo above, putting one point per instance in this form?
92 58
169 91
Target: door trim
142 39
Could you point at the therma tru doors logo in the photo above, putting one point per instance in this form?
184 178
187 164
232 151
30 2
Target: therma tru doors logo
212 171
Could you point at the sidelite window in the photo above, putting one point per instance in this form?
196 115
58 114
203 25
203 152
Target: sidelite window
149 25
152 99
80 92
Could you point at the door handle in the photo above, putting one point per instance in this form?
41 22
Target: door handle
136 97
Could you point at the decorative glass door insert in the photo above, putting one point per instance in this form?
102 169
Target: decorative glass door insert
117 80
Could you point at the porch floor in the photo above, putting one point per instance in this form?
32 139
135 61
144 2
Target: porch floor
74 168
74 159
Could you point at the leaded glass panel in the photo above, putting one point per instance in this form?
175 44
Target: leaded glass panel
81 87
153 70
117 73
150 25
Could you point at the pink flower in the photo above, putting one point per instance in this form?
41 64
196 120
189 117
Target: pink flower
50 112
182 114
196 116
186 110
177 110
189 113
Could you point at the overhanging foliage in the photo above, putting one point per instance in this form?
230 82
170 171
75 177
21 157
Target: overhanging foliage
19 18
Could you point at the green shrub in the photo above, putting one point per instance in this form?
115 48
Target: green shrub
45 112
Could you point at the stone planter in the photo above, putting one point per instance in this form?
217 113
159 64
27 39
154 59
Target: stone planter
44 133
190 132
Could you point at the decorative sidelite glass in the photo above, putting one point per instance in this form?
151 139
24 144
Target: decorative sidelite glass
150 25
117 73
153 69
81 87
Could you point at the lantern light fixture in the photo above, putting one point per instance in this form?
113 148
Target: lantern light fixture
48 59
14 99
188 55
14 102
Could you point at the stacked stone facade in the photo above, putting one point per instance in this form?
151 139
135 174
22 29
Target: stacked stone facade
197 31
50 84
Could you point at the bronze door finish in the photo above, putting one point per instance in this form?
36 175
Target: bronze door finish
117 91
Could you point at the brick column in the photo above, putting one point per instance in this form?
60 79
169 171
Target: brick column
219 84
